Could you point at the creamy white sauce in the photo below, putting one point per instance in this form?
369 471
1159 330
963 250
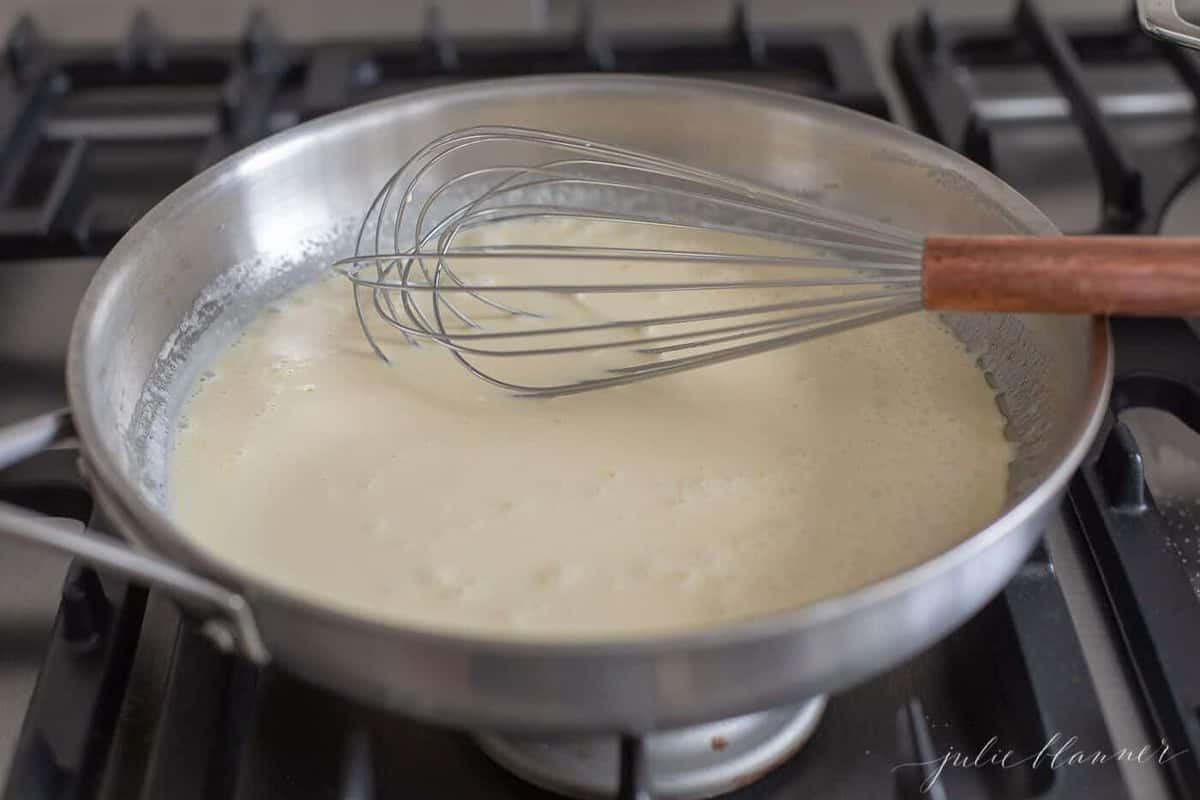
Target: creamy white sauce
417 494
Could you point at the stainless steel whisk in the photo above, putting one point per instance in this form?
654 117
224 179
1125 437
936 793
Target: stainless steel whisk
849 270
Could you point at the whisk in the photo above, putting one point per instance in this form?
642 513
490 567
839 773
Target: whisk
789 269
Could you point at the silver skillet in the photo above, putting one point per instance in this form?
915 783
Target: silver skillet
206 258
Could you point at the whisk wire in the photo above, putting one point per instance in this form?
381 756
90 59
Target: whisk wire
763 196
862 270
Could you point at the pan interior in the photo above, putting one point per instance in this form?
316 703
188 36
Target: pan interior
205 262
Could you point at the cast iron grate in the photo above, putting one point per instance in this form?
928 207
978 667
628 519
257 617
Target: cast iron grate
1157 608
943 69
1157 360
91 138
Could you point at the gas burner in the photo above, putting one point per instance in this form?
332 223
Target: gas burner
689 763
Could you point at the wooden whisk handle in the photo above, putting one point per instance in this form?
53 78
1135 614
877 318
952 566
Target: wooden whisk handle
1124 275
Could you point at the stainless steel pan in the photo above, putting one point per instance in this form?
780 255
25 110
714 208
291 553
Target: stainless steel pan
205 259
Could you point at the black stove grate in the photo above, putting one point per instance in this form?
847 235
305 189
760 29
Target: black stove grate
1153 596
91 138
940 67
1135 547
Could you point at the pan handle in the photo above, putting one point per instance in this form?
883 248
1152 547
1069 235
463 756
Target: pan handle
1161 18
230 622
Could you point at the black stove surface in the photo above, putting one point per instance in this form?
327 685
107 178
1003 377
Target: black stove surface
133 702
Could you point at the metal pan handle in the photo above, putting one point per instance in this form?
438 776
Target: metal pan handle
230 621
1161 18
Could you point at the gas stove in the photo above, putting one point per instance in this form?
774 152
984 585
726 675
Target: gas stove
107 691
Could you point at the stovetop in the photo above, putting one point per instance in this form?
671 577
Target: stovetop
1097 638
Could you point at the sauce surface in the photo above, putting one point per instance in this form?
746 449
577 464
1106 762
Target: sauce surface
415 493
